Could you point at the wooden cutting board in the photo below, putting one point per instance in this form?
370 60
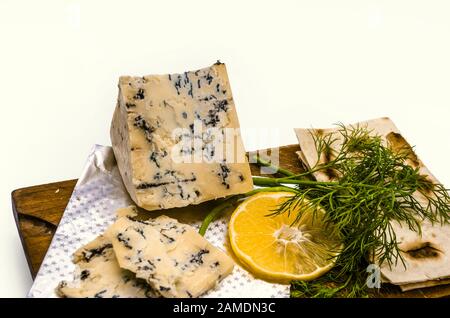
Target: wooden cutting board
38 210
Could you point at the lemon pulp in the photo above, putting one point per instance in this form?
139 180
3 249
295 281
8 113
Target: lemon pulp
275 247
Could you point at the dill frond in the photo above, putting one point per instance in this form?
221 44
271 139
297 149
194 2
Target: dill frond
376 187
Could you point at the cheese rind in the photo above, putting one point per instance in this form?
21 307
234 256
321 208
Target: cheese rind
169 133
172 257
98 275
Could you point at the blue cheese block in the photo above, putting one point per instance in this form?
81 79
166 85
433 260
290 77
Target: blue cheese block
172 257
98 275
176 139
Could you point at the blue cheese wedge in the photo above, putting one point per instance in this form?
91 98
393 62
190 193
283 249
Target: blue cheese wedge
176 139
171 257
98 275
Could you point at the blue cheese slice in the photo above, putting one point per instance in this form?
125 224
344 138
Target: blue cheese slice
176 139
172 257
98 275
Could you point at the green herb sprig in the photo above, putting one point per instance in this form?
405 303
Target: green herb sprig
231 201
375 187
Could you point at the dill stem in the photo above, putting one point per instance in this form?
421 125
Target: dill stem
304 174
269 189
228 202
310 171
277 169
289 174
261 181
214 213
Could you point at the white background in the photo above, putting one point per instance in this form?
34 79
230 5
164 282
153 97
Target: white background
291 64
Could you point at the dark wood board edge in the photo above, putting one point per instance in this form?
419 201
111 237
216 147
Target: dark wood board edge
37 225
19 229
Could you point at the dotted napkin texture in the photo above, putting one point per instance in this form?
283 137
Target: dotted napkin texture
91 209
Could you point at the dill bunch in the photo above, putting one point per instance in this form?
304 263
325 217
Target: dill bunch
332 284
375 186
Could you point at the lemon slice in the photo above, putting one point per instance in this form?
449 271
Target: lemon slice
275 249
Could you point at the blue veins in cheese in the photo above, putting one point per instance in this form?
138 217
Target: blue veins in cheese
170 256
146 258
176 139
98 275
